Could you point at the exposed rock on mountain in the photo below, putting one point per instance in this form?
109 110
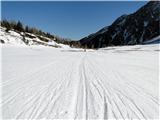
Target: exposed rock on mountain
130 29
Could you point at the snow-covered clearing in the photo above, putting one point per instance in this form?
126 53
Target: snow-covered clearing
52 83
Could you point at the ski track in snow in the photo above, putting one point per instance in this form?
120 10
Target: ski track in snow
51 84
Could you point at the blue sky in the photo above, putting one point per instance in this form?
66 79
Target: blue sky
68 19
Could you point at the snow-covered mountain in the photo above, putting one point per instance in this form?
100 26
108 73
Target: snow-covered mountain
13 37
135 28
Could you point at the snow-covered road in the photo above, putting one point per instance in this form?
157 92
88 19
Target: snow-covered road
116 82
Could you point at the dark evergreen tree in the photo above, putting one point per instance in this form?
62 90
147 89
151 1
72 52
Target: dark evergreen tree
40 32
19 27
6 24
13 24
26 29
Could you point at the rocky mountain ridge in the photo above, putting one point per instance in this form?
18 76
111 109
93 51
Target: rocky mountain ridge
130 29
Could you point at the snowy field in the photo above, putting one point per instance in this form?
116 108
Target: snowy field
55 83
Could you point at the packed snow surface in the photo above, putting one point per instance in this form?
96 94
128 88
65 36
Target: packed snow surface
54 83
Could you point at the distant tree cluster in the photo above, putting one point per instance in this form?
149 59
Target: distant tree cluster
12 25
20 27
68 41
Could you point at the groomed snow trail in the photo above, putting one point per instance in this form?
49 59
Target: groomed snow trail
116 82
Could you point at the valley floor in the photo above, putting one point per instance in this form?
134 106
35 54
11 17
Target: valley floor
50 83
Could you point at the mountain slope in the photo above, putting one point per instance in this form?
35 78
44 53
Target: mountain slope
14 37
130 29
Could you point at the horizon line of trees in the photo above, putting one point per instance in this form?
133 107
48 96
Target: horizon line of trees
20 27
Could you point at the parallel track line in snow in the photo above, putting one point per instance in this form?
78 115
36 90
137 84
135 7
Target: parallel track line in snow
82 85
115 102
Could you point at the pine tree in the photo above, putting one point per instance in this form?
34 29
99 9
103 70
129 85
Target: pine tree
6 24
40 32
26 29
19 27
8 27
13 24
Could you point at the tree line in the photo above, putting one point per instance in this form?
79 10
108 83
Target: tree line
20 27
